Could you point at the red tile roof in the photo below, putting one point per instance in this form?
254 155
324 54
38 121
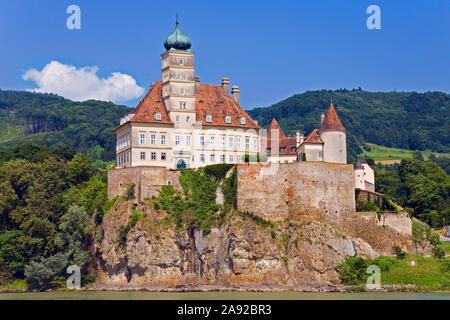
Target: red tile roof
209 101
284 143
331 121
313 137
275 126
150 105
212 101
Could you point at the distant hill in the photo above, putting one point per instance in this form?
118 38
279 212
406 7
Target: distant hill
407 120
48 119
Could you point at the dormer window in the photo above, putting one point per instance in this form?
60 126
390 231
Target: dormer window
227 119
158 116
209 118
242 120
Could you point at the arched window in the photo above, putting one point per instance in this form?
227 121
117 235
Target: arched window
158 116
227 119
242 120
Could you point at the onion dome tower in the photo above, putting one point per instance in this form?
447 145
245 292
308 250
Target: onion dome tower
177 40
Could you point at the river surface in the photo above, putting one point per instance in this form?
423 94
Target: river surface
142 295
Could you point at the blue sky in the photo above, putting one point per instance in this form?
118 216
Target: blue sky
271 49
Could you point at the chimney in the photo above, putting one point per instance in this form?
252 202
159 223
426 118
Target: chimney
235 93
297 135
322 116
197 83
226 86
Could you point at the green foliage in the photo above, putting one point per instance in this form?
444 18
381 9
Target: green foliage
438 252
304 156
218 171
124 230
399 253
47 119
353 271
79 169
129 191
198 186
257 219
396 118
229 189
362 206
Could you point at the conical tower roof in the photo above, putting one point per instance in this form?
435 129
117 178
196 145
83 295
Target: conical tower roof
331 121
275 126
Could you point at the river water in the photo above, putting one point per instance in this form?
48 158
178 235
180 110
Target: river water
143 295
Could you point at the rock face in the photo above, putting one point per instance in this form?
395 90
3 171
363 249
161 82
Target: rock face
239 254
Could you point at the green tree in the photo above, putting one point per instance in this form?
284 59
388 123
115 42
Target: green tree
79 169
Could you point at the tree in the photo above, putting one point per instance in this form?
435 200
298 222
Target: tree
79 169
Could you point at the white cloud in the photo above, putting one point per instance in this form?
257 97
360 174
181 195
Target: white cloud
83 83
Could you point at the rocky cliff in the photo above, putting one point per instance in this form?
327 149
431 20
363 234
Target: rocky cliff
240 253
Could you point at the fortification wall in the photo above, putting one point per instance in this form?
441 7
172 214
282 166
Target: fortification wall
147 180
278 191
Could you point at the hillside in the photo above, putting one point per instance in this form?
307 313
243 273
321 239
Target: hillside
51 120
406 120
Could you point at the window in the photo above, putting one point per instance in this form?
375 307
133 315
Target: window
340 137
182 105
188 141
181 61
163 156
163 139
202 141
158 116
177 118
247 143
231 158
230 142
177 140
212 140
153 155
293 149
142 138
238 142
179 77
222 158
255 143
188 119
281 150
142 155
208 118
320 154
212 157
268 150
185 77
242 120
227 119
340 153
182 92
222 141
153 138
202 157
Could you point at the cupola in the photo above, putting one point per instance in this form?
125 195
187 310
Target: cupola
177 40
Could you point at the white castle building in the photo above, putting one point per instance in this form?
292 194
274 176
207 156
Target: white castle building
182 123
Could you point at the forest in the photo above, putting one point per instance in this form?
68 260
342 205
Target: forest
48 119
407 120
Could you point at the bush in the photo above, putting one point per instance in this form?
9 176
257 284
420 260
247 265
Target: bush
438 252
129 191
353 271
218 171
229 189
399 253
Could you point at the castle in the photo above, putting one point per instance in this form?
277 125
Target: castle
182 123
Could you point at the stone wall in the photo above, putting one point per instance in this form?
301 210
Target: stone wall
147 180
375 197
278 191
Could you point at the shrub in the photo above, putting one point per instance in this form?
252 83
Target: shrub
399 253
438 252
218 171
303 156
353 271
229 189
129 191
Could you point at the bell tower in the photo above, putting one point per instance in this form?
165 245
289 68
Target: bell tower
178 82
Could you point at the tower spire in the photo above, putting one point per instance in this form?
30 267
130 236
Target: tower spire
177 22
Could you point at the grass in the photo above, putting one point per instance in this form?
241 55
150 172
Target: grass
428 274
380 153
16 285
446 246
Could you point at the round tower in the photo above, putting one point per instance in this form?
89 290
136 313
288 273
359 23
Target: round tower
333 135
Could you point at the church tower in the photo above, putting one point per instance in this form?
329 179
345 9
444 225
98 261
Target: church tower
333 135
178 82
